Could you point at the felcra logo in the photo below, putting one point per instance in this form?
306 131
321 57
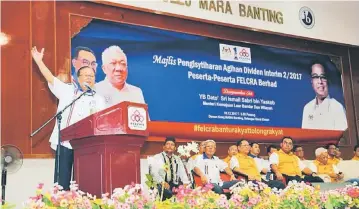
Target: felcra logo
137 118
235 53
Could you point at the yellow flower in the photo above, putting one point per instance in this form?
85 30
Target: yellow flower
48 196
166 167
38 191
98 201
200 201
64 203
78 200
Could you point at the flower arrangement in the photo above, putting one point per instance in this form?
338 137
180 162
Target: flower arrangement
301 195
7 206
344 197
58 198
185 150
253 195
244 196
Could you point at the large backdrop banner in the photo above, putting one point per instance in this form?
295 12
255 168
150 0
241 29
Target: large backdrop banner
202 87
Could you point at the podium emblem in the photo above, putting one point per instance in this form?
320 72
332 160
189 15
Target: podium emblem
137 118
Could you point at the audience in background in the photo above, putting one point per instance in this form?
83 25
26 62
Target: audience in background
232 151
320 166
356 153
299 152
332 154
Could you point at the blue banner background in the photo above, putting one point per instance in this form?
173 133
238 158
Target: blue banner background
171 96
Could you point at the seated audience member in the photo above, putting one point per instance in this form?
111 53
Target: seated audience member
189 165
320 166
208 167
169 171
192 159
248 166
285 164
271 149
356 153
299 152
338 154
232 151
254 153
332 154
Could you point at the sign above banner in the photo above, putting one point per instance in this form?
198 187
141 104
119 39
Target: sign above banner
318 20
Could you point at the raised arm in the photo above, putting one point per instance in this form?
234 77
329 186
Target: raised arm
37 56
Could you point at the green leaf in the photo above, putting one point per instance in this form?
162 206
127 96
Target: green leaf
328 205
95 206
149 177
47 201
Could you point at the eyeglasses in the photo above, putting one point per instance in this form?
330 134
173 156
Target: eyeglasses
211 146
121 64
317 77
288 143
87 76
86 62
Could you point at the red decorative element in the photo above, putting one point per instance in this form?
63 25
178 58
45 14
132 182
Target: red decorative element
106 151
137 117
237 92
227 133
77 23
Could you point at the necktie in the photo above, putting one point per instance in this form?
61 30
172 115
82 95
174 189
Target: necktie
171 169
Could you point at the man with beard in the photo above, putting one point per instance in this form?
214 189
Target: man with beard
169 172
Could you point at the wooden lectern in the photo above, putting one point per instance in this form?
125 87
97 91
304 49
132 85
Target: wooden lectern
107 147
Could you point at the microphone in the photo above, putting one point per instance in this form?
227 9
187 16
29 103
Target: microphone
89 89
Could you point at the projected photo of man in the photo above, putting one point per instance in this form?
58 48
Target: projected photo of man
82 56
114 87
323 112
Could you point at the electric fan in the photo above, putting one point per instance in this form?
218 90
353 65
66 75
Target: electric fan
11 161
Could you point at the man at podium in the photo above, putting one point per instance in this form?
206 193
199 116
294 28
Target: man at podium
169 171
88 104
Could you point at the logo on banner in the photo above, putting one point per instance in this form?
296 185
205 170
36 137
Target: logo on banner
235 53
137 118
306 17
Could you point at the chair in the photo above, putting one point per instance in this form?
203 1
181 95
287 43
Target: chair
224 177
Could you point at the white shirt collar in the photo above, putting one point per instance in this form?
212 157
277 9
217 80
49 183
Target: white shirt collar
108 83
324 103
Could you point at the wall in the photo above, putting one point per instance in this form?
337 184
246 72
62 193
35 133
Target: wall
328 16
26 101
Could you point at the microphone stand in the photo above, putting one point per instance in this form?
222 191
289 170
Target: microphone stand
58 116
3 184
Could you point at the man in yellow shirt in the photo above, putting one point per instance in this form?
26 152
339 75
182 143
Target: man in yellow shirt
338 154
246 165
232 151
286 165
328 172
332 154
356 153
299 152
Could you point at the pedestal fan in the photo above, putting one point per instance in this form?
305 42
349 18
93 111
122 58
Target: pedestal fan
11 161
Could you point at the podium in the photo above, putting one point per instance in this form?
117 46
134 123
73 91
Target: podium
107 147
